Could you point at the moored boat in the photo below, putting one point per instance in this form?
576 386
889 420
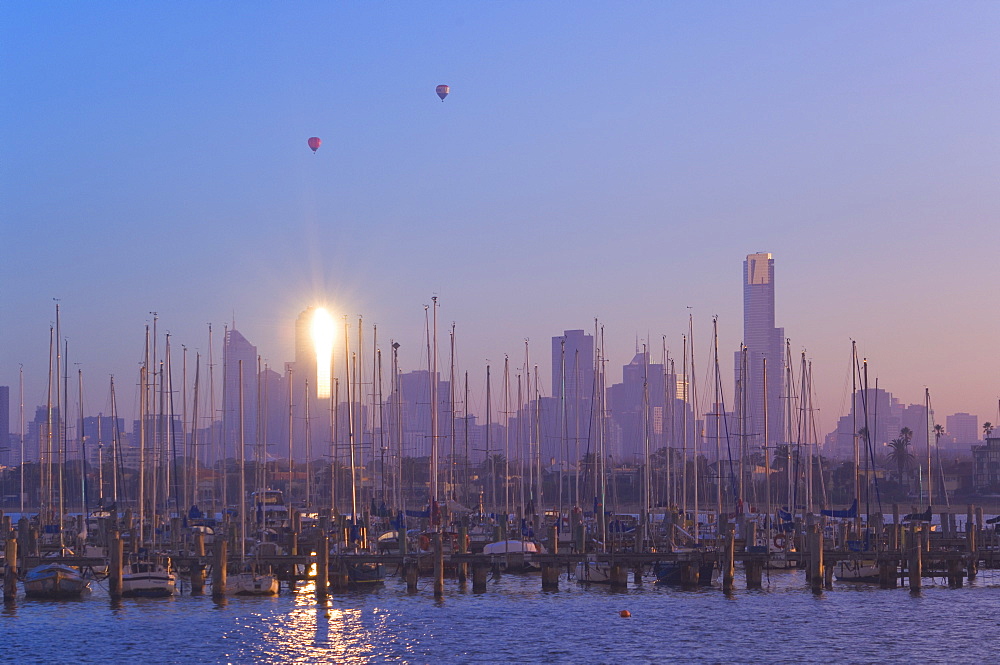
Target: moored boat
148 579
54 580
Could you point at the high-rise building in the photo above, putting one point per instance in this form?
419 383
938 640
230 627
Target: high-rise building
311 435
237 352
764 342
5 424
963 428
568 416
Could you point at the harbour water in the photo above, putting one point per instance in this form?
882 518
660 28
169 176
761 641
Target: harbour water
515 621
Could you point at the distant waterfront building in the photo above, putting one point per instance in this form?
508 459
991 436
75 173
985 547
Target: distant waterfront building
986 467
764 342
962 428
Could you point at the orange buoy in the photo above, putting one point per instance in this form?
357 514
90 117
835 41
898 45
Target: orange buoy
625 614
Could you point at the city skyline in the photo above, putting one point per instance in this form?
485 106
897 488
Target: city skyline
618 164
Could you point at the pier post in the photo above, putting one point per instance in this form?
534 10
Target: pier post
220 561
827 577
580 537
438 565
117 552
480 570
970 542
690 573
816 559
752 568
10 578
411 571
618 576
550 576
462 569
175 534
955 573
24 535
322 566
916 559
729 559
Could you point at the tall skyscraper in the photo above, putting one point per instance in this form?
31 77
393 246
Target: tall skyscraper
569 422
5 424
312 436
764 342
238 349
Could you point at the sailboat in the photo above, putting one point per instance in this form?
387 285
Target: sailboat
590 570
54 579
251 580
145 578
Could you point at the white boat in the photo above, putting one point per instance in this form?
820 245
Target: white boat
148 579
249 583
517 554
859 572
54 580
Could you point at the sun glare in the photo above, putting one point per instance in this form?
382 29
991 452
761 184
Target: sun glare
322 334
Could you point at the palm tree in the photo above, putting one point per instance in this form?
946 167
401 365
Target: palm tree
987 429
938 433
900 455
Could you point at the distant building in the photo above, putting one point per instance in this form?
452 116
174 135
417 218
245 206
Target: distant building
5 440
764 342
569 413
962 428
986 467
239 357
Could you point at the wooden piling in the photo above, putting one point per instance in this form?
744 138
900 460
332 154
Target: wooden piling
411 570
550 576
916 559
438 565
115 565
462 569
219 572
479 573
322 566
816 559
972 565
10 577
618 576
729 560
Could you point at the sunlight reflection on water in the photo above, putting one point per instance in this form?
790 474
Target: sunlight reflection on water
514 621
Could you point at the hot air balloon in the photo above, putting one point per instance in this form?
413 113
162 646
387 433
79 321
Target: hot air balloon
442 91
314 143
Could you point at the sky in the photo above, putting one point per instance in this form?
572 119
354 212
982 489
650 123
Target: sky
615 161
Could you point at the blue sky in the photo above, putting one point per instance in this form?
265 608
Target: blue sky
612 160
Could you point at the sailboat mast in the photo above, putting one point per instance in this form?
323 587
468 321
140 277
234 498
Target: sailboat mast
451 399
685 384
243 478
696 433
718 421
434 404
491 463
82 445
193 498
506 437
927 421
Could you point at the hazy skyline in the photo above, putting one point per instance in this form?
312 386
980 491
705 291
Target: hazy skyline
592 160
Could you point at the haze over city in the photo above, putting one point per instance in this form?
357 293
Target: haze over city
617 162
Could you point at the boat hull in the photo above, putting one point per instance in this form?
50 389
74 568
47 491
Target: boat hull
149 585
54 581
251 584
